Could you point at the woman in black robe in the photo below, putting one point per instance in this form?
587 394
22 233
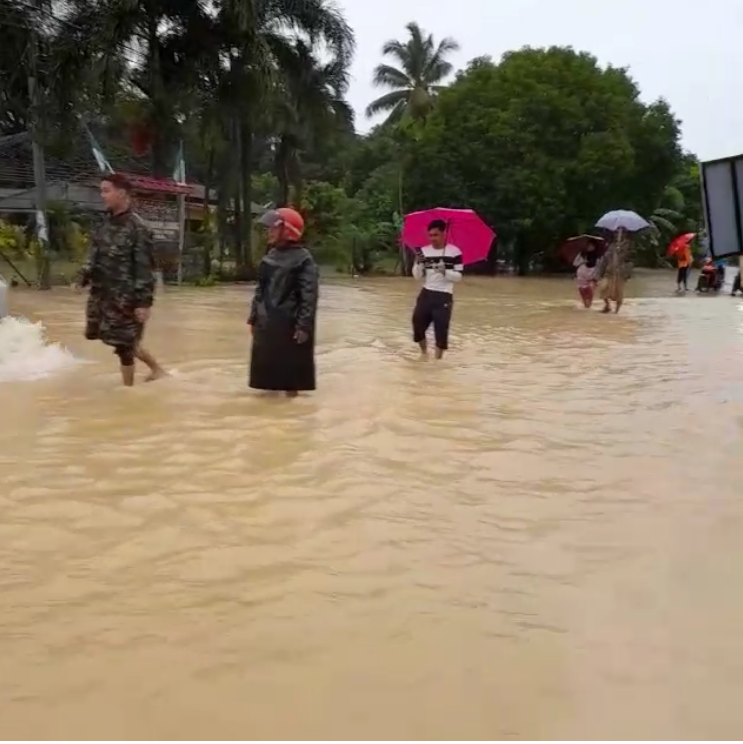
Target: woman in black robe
282 316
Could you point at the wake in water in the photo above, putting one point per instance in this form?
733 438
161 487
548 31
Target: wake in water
25 353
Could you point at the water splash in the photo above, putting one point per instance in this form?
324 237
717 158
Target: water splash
25 353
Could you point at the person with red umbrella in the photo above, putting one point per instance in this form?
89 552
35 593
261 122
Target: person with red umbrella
680 249
444 241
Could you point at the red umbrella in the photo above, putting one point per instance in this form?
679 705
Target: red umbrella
679 243
570 249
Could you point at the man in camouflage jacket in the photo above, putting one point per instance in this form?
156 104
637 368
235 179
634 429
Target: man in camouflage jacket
120 274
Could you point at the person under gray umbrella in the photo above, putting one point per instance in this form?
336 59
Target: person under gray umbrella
615 268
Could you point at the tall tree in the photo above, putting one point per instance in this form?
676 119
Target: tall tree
258 47
414 83
309 105
16 21
542 144
68 73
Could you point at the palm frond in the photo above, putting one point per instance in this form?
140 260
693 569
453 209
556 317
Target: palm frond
669 214
661 223
395 49
388 102
390 77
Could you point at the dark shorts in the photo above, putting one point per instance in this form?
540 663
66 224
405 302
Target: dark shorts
138 336
433 308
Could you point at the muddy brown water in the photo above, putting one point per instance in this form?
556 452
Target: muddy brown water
539 537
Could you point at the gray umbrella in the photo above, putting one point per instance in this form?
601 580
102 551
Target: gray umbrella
623 219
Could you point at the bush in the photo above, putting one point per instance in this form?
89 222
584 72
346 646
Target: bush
205 281
12 239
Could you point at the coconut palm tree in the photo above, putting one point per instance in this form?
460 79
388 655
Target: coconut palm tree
668 217
422 67
257 49
666 222
309 103
147 36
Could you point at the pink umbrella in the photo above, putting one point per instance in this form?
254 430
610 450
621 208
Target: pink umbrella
464 229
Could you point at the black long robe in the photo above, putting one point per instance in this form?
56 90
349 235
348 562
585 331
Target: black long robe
285 302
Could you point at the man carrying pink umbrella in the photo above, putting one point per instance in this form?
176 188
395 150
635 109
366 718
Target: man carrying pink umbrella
443 240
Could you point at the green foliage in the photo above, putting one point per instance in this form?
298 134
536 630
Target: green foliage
328 211
264 188
379 194
12 239
673 216
205 281
67 235
541 145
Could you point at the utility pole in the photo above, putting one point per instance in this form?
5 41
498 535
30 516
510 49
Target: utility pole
37 132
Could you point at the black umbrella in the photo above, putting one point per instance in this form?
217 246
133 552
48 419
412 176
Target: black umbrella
570 249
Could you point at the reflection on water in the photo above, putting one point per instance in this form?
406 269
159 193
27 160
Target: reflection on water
538 537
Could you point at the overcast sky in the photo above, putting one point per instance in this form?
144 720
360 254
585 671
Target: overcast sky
687 51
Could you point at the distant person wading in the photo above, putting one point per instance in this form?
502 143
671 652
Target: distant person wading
120 274
440 266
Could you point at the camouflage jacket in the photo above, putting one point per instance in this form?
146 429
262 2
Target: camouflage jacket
121 262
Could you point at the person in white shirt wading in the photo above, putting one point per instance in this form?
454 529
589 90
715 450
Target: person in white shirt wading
440 266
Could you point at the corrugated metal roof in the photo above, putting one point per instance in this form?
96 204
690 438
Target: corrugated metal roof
77 163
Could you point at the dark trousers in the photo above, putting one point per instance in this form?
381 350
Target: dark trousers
433 307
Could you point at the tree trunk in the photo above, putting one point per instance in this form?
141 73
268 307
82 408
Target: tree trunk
236 191
159 122
406 268
297 181
208 222
281 167
237 211
246 269
43 269
222 225
522 258
492 259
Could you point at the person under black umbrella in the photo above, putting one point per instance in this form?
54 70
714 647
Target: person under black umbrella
585 264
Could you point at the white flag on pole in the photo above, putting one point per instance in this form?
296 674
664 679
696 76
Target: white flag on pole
179 174
103 165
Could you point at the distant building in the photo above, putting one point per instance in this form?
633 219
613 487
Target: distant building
74 180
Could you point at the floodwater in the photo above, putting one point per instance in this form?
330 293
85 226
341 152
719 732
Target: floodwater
539 537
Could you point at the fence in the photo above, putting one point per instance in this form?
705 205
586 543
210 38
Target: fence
21 265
